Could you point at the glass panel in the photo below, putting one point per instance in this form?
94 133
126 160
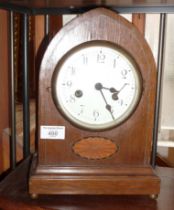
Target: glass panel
166 124
67 18
152 32
127 16
167 108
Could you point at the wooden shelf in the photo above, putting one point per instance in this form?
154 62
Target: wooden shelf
14 195
79 6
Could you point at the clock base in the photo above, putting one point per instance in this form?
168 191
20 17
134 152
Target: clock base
94 181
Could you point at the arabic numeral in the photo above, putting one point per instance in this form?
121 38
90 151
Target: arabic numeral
101 57
72 70
115 62
95 115
124 73
53 133
71 99
81 109
120 102
84 59
67 83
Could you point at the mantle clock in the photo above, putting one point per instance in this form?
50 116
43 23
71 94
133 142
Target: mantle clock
97 87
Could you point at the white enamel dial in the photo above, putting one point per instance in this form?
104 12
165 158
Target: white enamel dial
96 86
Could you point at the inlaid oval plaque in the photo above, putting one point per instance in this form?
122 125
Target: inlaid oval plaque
95 148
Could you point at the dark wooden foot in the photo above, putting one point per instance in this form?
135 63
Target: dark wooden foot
34 196
154 196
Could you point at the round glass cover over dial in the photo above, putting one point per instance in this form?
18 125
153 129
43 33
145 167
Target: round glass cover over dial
96 85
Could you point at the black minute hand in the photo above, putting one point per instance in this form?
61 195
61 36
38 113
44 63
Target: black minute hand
98 86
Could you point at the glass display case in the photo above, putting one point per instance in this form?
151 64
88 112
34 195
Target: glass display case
158 34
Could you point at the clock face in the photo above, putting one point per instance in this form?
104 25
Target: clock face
96 85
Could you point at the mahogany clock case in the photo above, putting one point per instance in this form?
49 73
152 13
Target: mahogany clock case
116 160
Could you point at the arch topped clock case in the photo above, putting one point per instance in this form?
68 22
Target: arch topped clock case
95 115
